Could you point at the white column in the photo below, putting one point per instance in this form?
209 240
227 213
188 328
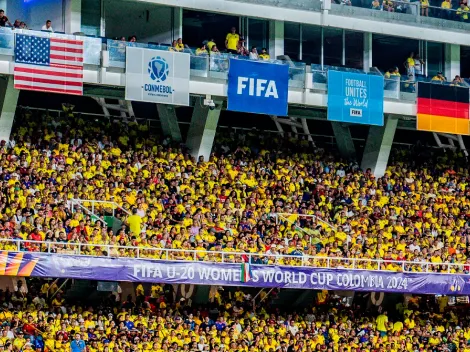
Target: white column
378 145
72 16
452 61
276 38
8 102
177 23
202 129
169 121
367 57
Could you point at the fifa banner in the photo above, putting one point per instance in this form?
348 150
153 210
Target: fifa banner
258 87
356 98
157 76
31 264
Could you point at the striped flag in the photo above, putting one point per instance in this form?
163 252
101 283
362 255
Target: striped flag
442 108
48 64
246 272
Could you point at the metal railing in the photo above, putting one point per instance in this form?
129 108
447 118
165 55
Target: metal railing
81 203
228 256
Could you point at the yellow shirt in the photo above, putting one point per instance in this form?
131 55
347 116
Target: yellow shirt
445 5
134 223
232 41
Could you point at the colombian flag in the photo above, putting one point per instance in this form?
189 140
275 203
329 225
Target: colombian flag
443 108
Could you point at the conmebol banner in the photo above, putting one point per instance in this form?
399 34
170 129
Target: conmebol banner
157 76
202 273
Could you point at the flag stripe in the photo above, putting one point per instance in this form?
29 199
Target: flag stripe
42 79
48 72
442 92
66 41
66 49
48 89
443 108
443 124
66 58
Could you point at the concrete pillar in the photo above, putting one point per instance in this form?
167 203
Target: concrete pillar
8 101
169 122
73 16
367 56
378 145
202 129
177 31
276 38
344 140
452 61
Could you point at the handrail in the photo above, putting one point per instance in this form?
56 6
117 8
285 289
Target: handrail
237 257
76 201
286 215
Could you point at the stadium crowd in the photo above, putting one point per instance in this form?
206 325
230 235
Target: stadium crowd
231 203
38 319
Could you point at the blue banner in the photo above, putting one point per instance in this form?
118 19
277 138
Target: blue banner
31 264
355 98
258 87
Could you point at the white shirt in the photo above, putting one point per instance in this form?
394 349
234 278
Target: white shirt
44 28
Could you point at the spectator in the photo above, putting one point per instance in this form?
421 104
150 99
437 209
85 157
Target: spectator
23 25
395 72
388 5
241 49
4 21
132 39
462 13
231 41
346 2
410 85
202 50
410 64
446 7
376 5
17 24
174 46
179 44
254 53
439 78
135 221
457 81
425 8
210 44
77 345
264 54
47 26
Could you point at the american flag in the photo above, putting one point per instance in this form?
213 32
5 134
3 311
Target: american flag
49 64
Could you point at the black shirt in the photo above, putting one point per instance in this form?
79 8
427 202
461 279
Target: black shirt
3 21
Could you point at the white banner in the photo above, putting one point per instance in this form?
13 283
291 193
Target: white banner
157 76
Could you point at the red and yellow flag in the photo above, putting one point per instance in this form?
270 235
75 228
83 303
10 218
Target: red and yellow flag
442 108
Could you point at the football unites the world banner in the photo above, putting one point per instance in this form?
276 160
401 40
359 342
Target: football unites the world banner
30 264
355 98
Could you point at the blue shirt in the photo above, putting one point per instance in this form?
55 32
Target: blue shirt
77 346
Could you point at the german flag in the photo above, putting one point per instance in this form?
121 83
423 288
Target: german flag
443 108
